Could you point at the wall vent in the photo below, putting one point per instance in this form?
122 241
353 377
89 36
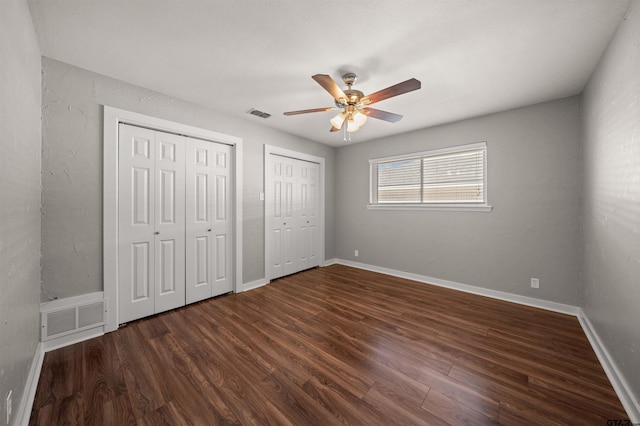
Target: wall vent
258 113
71 315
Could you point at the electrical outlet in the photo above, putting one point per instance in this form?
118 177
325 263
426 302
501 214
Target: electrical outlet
535 283
355 253
8 406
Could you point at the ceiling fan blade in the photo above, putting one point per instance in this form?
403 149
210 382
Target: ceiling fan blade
381 115
305 111
391 91
330 86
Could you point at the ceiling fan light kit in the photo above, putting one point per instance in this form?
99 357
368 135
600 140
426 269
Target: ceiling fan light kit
354 104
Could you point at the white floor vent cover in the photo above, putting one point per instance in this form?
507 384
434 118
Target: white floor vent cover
72 315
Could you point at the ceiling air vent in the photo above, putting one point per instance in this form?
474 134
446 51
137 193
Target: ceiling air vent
259 113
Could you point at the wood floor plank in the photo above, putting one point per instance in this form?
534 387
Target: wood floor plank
333 345
142 388
454 412
118 411
343 405
398 409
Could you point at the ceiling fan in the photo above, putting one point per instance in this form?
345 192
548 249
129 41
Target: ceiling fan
354 104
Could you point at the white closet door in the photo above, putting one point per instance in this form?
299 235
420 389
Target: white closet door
209 244
308 217
276 212
222 220
170 222
285 200
294 208
199 206
136 224
290 225
150 222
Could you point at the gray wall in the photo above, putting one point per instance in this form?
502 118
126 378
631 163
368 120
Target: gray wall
612 199
20 97
72 171
533 186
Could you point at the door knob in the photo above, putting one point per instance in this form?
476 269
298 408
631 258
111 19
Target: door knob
157 233
209 230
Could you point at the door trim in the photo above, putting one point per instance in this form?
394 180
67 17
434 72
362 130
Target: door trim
268 182
111 118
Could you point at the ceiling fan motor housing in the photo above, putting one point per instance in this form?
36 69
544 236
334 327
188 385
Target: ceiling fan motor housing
349 78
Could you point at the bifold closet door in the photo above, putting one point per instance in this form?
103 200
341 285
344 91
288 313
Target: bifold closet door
308 216
151 222
208 220
294 214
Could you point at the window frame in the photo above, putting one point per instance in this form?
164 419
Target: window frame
465 206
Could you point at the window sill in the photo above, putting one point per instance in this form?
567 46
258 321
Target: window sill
442 207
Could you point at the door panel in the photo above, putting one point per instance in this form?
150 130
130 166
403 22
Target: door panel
222 226
310 217
141 267
221 257
136 253
199 205
277 267
167 261
275 211
170 222
208 228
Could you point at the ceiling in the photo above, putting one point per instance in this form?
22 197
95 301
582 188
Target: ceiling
473 57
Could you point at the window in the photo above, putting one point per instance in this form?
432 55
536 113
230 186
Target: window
449 179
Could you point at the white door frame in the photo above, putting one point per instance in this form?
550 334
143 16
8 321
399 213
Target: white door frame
268 197
114 116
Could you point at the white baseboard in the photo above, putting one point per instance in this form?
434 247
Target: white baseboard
253 285
330 262
29 394
72 339
494 294
629 402
26 404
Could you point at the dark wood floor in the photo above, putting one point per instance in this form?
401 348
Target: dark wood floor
329 346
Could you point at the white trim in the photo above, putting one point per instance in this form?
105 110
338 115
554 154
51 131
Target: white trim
494 294
432 152
254 284
29 395
237 220
269 150
442 207
330 262
620 385
72 339
112 117
67 302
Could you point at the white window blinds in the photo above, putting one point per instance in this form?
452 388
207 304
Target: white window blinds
451 176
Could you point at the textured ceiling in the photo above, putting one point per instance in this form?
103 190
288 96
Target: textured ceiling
473 57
